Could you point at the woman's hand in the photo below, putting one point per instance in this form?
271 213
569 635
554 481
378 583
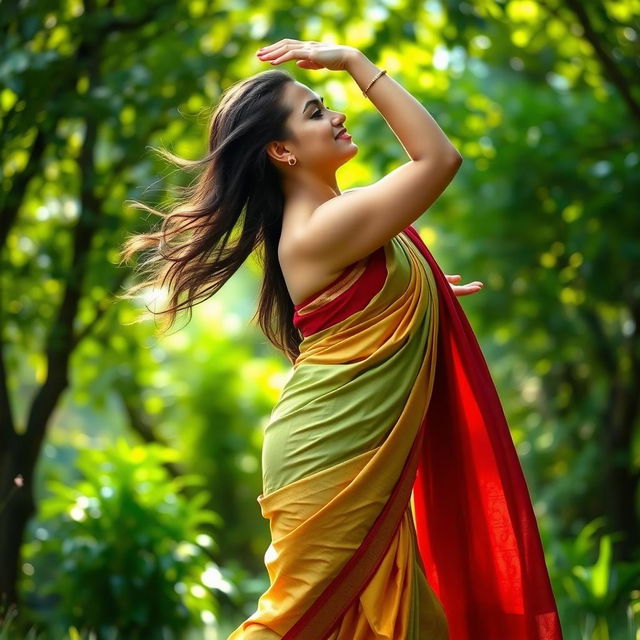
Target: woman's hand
308 53
464 289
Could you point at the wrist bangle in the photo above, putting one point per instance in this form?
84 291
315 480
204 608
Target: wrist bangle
380 73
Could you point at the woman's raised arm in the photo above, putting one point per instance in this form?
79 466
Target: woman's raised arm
347 228
414 127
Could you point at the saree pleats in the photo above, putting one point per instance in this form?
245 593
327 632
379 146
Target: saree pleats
398 601
364 478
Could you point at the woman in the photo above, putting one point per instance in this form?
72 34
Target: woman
396 502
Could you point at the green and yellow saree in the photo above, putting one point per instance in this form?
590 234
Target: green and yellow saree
396 502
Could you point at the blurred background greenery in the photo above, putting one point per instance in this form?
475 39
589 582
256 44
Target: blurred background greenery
139 455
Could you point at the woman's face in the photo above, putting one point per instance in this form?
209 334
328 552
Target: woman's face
315 127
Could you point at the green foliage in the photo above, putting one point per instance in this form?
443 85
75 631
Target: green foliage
540 97
125 549
596 594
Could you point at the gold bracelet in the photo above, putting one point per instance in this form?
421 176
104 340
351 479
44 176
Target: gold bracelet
380 73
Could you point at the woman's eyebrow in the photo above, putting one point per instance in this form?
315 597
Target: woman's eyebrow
314 101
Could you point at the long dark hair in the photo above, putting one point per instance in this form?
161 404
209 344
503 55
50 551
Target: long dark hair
236 180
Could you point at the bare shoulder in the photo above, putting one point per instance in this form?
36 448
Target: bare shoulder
303 276
351 226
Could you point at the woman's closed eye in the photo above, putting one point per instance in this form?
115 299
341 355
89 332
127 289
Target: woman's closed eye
315 113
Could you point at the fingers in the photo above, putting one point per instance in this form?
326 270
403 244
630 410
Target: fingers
465 289
271 54
287 52
457 277
273 51
280 43
290 55
275 55
468 290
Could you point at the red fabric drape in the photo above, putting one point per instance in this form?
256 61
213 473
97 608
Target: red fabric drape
476 528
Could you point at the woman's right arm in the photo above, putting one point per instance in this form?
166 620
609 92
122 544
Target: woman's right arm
414 127
346 229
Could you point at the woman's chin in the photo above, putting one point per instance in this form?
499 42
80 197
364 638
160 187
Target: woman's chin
347 156
353 147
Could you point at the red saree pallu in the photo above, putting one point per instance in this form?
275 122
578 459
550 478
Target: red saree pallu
395 498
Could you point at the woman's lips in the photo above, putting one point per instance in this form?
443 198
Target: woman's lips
344 136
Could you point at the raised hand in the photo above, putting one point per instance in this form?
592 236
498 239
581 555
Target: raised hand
464 289
308 54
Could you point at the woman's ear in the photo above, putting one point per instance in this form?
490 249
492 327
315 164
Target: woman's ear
278 151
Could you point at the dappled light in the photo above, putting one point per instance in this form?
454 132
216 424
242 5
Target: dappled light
131 459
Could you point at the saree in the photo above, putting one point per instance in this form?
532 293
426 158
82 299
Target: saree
396 502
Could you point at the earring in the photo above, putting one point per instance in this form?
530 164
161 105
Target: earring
290 159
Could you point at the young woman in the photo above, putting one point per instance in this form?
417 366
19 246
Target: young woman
396 502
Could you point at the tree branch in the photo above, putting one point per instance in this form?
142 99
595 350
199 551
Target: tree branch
611 70
601 340
101 308
60 338
7 427
141 424
9 212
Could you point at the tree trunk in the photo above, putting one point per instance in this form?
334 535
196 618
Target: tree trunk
620 481
14 517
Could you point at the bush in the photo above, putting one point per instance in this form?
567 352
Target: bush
123 549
